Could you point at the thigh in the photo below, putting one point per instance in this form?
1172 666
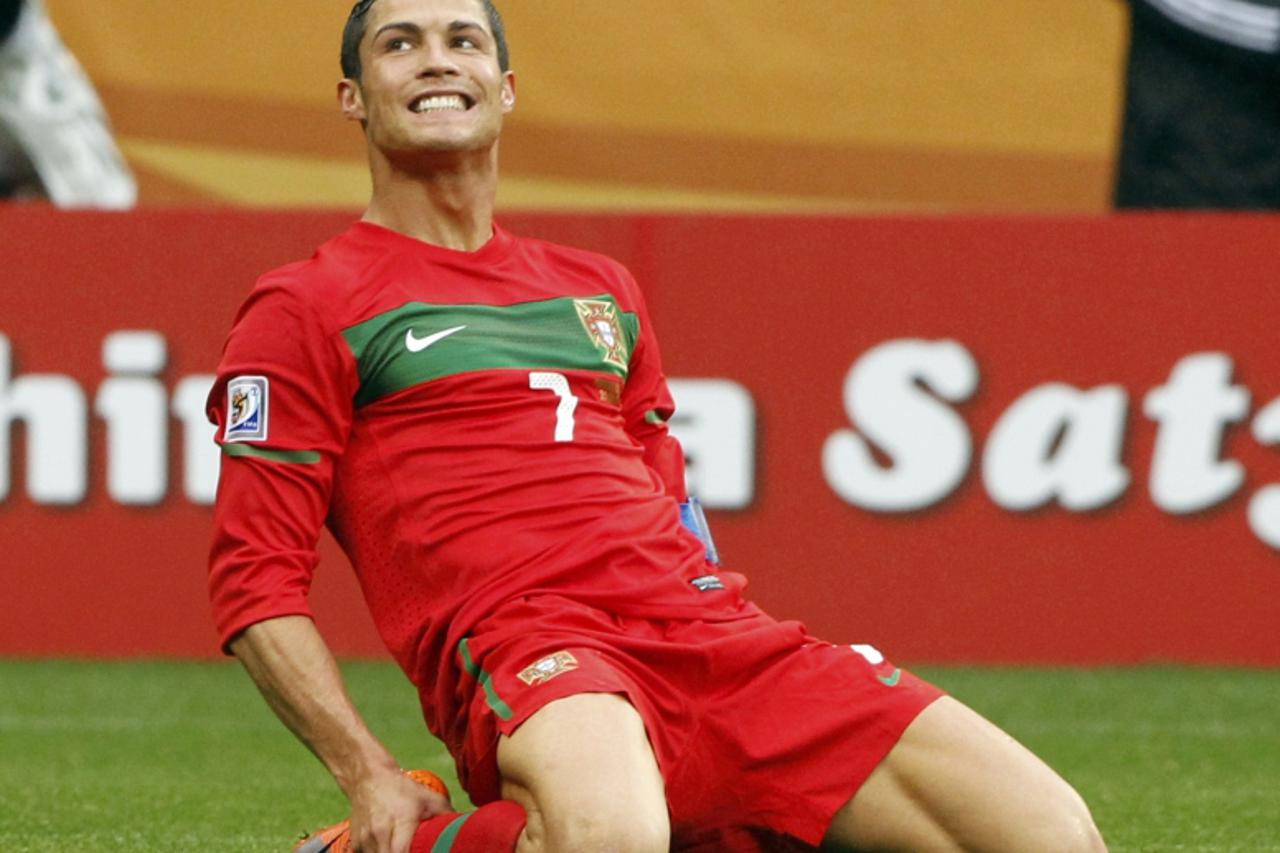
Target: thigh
536 653
583 768
790 730
956 782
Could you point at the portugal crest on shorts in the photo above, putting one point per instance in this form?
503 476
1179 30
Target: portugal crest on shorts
548 668
600 319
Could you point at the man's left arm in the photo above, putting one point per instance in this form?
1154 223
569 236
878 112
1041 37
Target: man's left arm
647 405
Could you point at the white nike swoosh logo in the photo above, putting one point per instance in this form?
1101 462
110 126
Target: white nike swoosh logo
419 344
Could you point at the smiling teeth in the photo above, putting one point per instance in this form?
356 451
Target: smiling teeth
437 103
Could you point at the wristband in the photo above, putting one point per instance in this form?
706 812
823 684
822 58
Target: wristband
693 517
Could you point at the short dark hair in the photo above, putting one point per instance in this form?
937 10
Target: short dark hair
353 34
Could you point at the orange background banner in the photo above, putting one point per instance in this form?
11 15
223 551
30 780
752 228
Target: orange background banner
826 106
1128 363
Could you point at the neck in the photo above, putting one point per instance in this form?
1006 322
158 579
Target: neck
445 199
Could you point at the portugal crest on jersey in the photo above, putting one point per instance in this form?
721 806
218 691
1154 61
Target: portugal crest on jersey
600 319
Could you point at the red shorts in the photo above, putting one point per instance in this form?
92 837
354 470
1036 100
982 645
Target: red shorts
761 732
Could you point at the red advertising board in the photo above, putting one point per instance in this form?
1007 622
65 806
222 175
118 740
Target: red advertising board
976 440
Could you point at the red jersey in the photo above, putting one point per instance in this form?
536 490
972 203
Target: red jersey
473 427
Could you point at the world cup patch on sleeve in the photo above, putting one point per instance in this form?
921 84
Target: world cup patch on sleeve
247 398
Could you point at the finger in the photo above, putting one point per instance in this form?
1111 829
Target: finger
402 837
374 841
386 841
435 804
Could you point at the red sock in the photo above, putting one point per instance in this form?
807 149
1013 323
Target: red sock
494 828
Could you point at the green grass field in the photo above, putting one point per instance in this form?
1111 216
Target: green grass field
178 756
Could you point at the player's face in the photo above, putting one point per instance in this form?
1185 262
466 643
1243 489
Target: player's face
431 80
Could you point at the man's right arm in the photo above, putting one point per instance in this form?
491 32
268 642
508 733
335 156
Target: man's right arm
297 675
282 403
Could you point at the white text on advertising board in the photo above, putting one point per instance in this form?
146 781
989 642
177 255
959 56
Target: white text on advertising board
1056 442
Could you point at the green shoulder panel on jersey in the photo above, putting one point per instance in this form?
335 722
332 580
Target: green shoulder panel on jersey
420 342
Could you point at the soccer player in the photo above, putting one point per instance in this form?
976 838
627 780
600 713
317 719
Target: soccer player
481 421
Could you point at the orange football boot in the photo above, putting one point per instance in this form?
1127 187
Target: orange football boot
337 838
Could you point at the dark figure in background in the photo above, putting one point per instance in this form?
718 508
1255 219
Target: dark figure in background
8 17
55 142
1202 111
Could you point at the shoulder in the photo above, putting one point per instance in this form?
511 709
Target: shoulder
314 289
329 270
287 326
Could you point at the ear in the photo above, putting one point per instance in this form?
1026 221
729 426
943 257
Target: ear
508 91
351 100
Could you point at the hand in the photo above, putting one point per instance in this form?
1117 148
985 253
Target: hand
386 810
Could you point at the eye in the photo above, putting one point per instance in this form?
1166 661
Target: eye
397 44
465 42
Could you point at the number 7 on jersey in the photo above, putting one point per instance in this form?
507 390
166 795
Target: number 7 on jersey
559 383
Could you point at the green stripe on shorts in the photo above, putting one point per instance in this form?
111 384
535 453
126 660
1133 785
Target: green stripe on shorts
502 709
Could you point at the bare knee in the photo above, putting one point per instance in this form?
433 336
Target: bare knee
955 782
1067 828
1054 819
1055 824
